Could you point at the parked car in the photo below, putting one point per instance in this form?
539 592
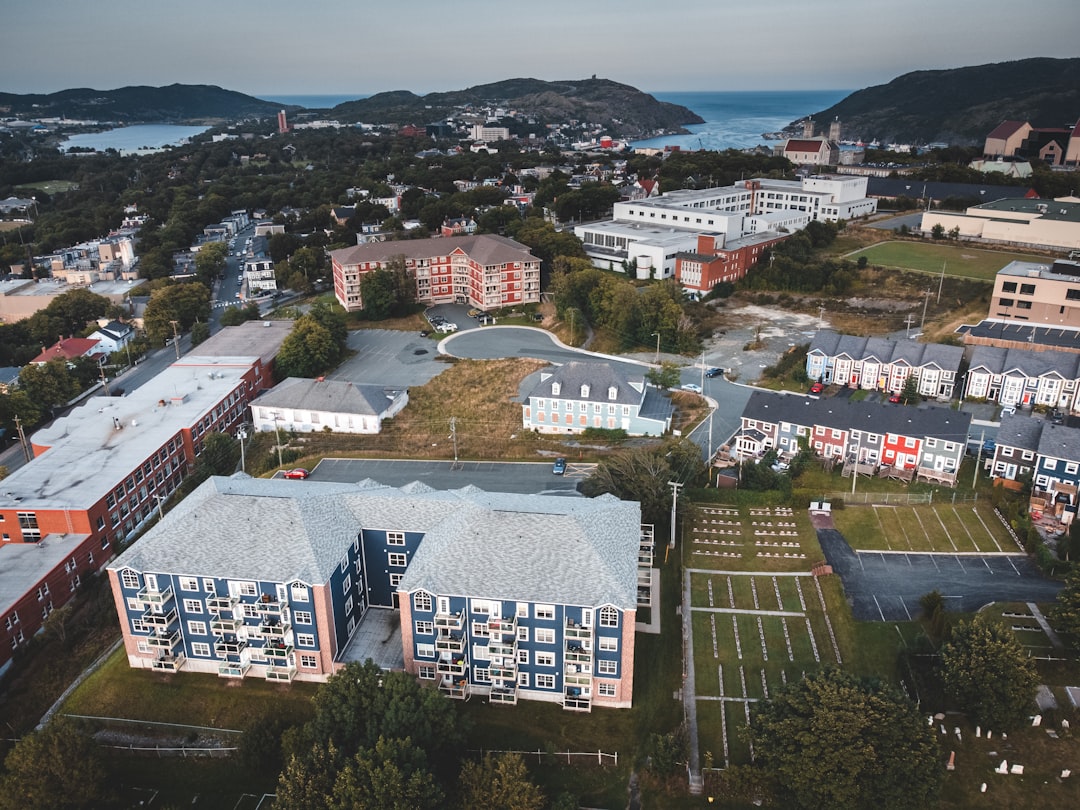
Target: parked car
446 327
1008 410
559 467
472 313
817 388
1057 417
714 372
895 398
694 387
298 473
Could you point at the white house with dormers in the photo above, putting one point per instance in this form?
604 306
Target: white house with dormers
578 396
304 405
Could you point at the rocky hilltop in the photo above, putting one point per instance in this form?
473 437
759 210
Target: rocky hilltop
623 111
961 106
176 103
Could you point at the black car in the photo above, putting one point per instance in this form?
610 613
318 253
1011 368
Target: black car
714 372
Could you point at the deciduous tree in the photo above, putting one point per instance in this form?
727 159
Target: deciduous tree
500 783
393 775
56 767
184 303
1066 611
986 672
832 740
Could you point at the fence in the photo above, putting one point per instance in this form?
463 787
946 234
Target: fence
1008 528
601 757
181 751
898 498
122 721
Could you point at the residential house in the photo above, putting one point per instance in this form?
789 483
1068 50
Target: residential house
926 442
881 364
577 396
113 336
458 226
304 405
69 349
482 270
1057 474
1023 379
1015 450
273 578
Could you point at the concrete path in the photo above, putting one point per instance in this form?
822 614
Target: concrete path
1055 639
689 691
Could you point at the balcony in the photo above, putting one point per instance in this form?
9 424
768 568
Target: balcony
222 626
233 670
450 643
455 688
576 654
269 606
232 646
155 597
450 621
577 676
503 672
506 695
159 620
502 627
278 652
168 663
281 673
502 648
164 641
575 631
219 604
274 629
456 665
576 700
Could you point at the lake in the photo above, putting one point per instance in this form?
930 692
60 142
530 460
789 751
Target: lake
137 138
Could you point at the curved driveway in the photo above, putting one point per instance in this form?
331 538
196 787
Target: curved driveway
494 342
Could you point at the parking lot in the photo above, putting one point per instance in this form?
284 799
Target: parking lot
391 358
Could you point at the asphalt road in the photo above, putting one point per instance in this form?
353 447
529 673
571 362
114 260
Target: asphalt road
887 587
494 476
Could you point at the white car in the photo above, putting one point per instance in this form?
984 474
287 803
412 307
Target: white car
446 327
692 387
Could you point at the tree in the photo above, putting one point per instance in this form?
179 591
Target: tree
391 776
938 231
56 767
377 293
832 740
933 615
76 308
48 384
499 783
307 783
909 394
220 455
1069 545
210 262
667 376
234 316
642 474
1066 611
307 351
986 672
184 303
200 331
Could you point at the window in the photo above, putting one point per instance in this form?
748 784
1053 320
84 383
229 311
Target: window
193 606
544 612
608 643
427 673
1006 302
425 650
308 661
424 628
545 659
523 610
302 617
129 579
523 634
1009 287
482 675
305 639
1027 289
544 635
138 626
346 585
609 617
189 584
607 667
523 657
197 628
480 630
201 649
395 538
605 689
1023 305
545 681
398 560
1073 294
422 601
299 592
244 588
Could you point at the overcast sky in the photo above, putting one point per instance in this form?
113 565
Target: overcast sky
279 47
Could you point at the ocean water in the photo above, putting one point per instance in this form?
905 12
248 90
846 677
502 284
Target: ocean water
737 120
137 138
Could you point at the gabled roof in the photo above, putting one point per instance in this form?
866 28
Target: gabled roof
843 414
537 548
485 249
328 396
1025 363
884 350
115 330
805 145
629 387
68 349
1060 442
1006 129
1019 431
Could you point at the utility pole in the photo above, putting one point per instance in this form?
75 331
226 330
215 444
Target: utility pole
941 281
453 437
978 458
710 437
104 379
703 372
22 438
176 337
855 472
922 325
241 435
572 327
907 322
675 486
656 359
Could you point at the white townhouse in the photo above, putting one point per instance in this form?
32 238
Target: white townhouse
1023 379
303 405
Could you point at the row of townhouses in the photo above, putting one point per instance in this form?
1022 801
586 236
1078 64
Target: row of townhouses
101 471
507 596
577 396
1024 378
1046 454
881 364
927 442
483 270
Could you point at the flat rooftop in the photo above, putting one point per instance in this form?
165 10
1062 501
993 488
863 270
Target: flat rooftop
260 339
1058 270
23 564
88 455
51 287
1061 210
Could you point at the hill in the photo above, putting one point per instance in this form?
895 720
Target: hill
623 111
961 106
194 103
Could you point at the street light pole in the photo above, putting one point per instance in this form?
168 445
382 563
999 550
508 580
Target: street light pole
656 360
241 435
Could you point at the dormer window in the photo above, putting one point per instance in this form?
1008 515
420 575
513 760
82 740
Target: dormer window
613 393
584 391
555 388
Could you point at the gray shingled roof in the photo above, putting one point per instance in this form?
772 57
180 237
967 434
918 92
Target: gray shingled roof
1029 363
598 376
1019 431
328 396
1060 442
495 545
843 414
485 249
832 344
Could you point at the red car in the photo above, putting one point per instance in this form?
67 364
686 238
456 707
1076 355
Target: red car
817 388
299 473
894 398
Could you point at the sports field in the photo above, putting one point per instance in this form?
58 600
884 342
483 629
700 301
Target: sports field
959 260
945 528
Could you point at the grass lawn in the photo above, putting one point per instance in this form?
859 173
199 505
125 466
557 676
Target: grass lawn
959 260
939 527
49 186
